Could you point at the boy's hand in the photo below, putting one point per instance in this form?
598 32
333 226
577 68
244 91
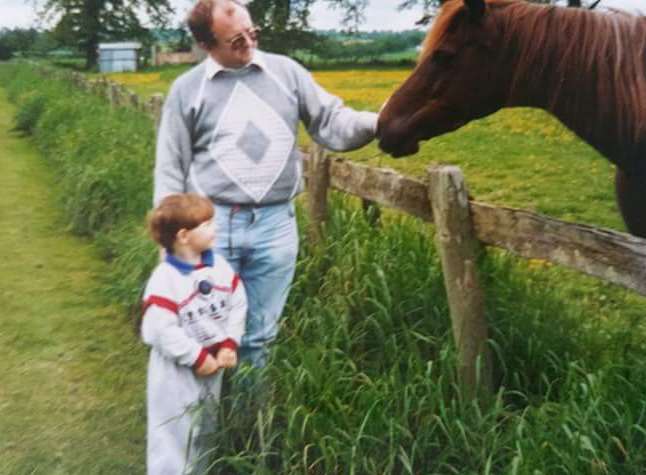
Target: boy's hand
227 358
208 367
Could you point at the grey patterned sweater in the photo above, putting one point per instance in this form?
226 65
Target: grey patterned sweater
230 135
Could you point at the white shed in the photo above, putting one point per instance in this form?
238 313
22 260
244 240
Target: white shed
117 57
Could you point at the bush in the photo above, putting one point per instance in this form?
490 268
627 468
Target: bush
33 106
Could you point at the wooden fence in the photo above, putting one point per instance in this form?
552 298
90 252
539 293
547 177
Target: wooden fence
116 94
609 255
463 227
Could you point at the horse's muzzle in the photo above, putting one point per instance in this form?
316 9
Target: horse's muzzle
395 139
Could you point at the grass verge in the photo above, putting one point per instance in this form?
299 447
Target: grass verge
72 385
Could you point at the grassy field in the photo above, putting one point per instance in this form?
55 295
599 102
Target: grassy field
517 157
363 375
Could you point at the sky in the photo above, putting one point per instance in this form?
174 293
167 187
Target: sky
381 15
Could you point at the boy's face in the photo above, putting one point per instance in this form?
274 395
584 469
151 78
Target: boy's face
201 238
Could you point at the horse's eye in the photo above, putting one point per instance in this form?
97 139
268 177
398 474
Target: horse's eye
443 57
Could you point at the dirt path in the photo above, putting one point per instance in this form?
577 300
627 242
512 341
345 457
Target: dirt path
72 373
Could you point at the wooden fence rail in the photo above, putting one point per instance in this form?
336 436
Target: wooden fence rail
609 255
463 225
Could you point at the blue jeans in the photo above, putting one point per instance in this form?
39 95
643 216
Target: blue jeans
261 244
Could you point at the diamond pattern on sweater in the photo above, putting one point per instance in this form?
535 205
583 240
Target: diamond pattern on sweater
251 142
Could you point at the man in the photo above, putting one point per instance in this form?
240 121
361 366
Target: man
228 132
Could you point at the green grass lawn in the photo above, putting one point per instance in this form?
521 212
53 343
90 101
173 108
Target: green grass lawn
73 371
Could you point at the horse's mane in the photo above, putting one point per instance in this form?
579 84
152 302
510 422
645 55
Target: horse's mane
571 55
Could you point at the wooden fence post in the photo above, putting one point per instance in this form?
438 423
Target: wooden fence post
112 94
118 95
101 87
318 183
156 103
86 85
459 250
133 100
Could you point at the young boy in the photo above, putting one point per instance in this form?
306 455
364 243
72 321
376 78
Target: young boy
193 318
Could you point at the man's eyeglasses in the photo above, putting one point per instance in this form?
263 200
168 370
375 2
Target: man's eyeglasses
240 40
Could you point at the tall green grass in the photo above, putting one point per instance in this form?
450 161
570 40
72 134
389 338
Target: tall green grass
362 379
103 158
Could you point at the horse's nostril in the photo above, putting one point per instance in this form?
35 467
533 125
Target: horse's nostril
390 133
386 144
386 129
397 142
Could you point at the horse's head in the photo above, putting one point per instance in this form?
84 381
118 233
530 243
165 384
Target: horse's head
457 79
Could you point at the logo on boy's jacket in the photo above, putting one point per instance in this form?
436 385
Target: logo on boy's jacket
208 301
205 287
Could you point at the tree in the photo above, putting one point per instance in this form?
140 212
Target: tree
19 41
355 8
284 23
84 23
353 11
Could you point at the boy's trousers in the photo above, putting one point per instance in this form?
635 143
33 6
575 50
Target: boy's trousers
178 417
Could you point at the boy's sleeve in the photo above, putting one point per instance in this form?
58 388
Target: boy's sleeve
160 329
328 121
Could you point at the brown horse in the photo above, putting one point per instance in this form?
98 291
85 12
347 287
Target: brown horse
587 68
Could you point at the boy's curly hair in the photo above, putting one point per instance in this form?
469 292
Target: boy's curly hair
175 212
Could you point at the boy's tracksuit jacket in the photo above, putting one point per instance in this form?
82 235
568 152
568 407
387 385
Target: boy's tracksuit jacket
189 311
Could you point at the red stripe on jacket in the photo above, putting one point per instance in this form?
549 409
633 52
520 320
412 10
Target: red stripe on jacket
200 358
160 302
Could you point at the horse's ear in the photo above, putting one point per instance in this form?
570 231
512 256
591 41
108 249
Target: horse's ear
476 8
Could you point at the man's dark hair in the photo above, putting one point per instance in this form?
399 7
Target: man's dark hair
200 21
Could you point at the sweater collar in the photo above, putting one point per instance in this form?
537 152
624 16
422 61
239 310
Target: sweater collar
213 67
186 268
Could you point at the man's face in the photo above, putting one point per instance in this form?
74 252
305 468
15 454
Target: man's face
235 35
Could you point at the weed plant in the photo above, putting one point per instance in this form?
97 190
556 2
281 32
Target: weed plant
362 379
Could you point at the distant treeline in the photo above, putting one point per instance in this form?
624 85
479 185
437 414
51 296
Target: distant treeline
321 46
361 47
315 48
25 42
